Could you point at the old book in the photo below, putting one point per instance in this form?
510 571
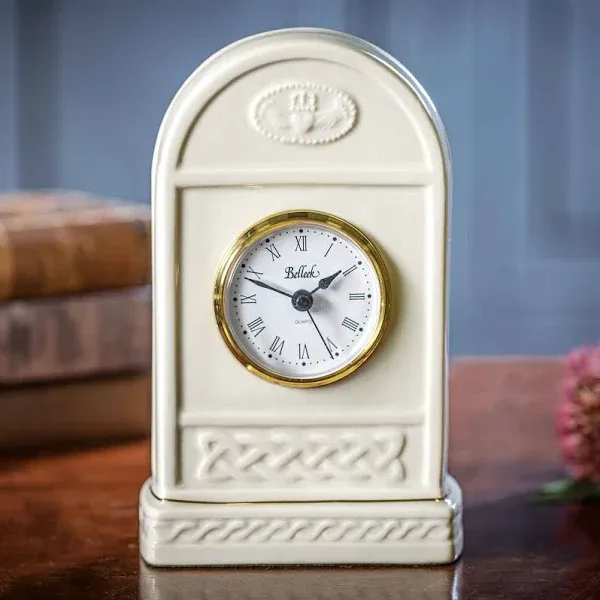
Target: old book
74 336
89 410
57 243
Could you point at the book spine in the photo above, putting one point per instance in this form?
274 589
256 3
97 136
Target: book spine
60 338
94 251
93 410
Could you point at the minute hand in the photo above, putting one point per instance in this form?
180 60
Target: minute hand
320 334
267 286
325 282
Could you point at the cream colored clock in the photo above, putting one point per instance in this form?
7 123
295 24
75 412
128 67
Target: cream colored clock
302 298
300 192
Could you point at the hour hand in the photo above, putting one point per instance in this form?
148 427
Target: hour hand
267 286
325 282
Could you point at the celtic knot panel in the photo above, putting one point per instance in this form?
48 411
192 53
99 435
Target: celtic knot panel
296 456
276 531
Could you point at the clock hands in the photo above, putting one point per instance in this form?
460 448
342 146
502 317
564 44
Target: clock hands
320 334
325 282
268 287
323 285
302 299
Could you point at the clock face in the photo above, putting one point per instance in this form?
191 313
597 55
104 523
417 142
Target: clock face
303 298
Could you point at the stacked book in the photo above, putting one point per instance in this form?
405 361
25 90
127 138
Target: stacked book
75 318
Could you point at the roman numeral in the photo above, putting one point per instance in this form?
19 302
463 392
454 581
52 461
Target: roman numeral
356 296
303 351
300 243
328 249
348 271
350 324
277 345
274 252
256 326
330 344
256 274
251 299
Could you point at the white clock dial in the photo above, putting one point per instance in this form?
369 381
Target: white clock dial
304 301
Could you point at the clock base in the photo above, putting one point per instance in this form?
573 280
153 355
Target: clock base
415 532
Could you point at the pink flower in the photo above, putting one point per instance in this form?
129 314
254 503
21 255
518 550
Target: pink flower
578 415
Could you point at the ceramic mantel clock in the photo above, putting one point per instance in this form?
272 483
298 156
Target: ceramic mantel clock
301 183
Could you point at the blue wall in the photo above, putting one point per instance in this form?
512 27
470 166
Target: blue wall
84 84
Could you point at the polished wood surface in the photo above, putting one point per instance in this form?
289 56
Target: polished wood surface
68 518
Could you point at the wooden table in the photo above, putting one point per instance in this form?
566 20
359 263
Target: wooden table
68 519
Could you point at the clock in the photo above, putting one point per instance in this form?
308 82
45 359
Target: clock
301 185
302 298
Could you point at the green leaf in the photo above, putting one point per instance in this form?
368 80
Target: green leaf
569 490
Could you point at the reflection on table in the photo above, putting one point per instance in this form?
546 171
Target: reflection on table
352 583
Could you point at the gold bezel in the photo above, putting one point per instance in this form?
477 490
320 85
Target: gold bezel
263 228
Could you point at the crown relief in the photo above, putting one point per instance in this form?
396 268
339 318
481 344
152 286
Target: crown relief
303 113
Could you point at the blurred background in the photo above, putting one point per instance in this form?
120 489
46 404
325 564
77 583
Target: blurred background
84 85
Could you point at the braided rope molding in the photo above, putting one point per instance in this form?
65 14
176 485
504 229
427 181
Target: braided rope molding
293 531
297 456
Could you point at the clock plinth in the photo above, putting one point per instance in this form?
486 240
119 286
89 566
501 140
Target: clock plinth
334 533
300 189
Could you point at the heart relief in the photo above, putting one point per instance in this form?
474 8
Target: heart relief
303 113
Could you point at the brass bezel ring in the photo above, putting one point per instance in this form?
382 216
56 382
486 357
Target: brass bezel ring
261 229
